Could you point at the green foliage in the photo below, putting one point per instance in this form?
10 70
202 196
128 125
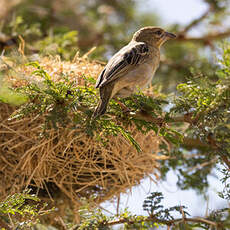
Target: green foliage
157 216
22 210
155 108
204 103
154 208
207 101
220 215
225 194
203 99
179 58
92 218
9 96
55 98
18 26
218 5
64 104
107 25
96 219
49 27
59 42
191 168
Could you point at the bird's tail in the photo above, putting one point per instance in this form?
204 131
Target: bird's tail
100 109
105 95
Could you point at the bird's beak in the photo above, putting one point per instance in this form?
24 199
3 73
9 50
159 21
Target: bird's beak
169 35
166 36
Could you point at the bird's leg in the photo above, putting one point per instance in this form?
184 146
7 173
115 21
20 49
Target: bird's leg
124 108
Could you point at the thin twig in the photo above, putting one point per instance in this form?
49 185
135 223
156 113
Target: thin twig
186 141
62 222
89 52
4 225
200 166
226 161
165 222
194 143
118 204
207 39
195 22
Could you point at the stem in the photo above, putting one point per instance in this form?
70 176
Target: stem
189 142
207 39
195 22
166 222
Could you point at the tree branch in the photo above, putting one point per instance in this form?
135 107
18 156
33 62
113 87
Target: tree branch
142 115
195 22
194 143
206 39
226 161
166 222
189 142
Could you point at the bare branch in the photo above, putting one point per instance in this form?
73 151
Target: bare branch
206 39
148 117
166 222
200 166
189 142
192 143
195 22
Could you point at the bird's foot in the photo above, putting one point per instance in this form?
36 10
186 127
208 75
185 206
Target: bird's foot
124 108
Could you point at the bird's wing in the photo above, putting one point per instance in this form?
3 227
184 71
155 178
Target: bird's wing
128 57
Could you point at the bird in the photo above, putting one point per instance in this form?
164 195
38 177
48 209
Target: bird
132 67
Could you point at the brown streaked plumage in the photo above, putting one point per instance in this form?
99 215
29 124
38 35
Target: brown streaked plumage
132 67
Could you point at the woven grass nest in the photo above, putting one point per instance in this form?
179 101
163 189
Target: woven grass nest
65 164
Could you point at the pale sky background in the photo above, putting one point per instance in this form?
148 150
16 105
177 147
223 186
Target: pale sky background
173 11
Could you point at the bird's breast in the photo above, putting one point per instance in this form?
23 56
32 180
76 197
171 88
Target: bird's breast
142 76
138 78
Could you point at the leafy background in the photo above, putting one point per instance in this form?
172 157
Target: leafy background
193 75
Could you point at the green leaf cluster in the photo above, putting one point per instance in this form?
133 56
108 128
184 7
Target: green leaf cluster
66 104
152 204
207 101
204 101
22 210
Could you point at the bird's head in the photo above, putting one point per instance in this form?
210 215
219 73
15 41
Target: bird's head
154 36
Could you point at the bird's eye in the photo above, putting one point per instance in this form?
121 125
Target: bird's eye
158 32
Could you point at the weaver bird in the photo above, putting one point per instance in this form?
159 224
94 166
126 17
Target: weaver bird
132 67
